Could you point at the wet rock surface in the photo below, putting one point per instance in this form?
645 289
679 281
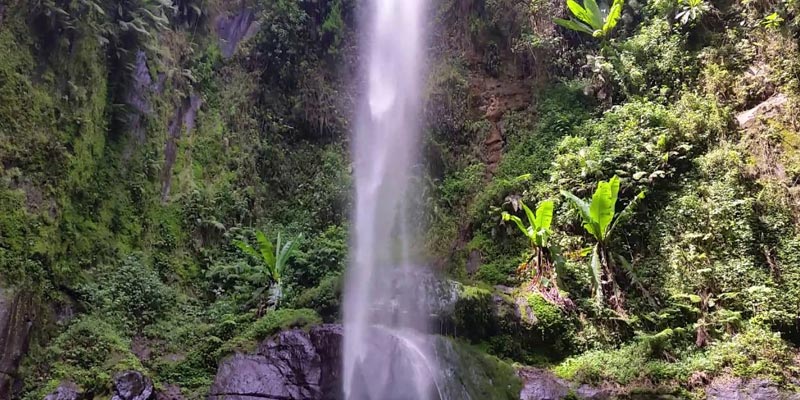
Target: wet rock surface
64 391
132 385
16 321
307 365
232 29
539 384
754 389
294 365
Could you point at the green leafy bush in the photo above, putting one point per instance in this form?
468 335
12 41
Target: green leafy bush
130 294
273 322
318 257
88 353
641 140
324 298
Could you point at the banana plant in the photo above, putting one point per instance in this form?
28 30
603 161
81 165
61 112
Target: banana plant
545 258
600 220
591 18
274 260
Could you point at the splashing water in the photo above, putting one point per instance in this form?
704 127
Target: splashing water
385 354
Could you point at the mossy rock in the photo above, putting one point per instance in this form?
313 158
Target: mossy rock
473 374
270 324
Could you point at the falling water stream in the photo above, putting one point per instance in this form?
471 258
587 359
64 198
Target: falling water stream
387 356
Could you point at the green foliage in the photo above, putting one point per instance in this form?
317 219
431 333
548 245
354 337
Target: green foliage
642 140
538 229
318 257
597 220
484 376
596 20
755 353
548 317
692 11
273 260
334 26
529 152
325 298
273 322
88 353
131 294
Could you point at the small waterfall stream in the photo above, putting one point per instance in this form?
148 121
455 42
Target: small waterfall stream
386 354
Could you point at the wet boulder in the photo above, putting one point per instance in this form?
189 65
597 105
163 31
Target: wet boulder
65 391
132 385
294 365
753 389
398 364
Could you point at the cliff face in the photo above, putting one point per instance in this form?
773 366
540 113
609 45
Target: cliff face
17 318
141 141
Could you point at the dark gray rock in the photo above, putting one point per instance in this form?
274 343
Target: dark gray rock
170 392
232 29
137 97
17 315
754 389
295 365
182 121
542 385
64 391
132 385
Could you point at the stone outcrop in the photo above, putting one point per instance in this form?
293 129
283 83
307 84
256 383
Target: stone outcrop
16 321
539 384
132 385
307 365
753 389
770 108
65 391
182 121
295 365
232 29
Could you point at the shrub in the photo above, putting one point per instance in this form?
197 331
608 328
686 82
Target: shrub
131 294
654 61
325 298
756 352
643 141
320 256
88 353
272 323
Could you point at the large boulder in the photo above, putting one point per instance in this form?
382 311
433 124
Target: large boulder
16 320
307 365
295 365
753 389
132 385
65 391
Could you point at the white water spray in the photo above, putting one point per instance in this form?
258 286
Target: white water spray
392 361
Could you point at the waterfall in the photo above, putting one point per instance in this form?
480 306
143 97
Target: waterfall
386 354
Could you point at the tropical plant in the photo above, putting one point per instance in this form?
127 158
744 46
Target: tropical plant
691 10
596 20
274 259
546 259
600 220
772 21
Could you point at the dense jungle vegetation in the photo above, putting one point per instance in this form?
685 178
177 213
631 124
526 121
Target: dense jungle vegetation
175 184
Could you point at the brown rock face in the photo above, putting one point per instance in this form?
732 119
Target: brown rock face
494 142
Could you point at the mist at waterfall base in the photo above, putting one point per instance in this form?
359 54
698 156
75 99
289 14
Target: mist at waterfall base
387 355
